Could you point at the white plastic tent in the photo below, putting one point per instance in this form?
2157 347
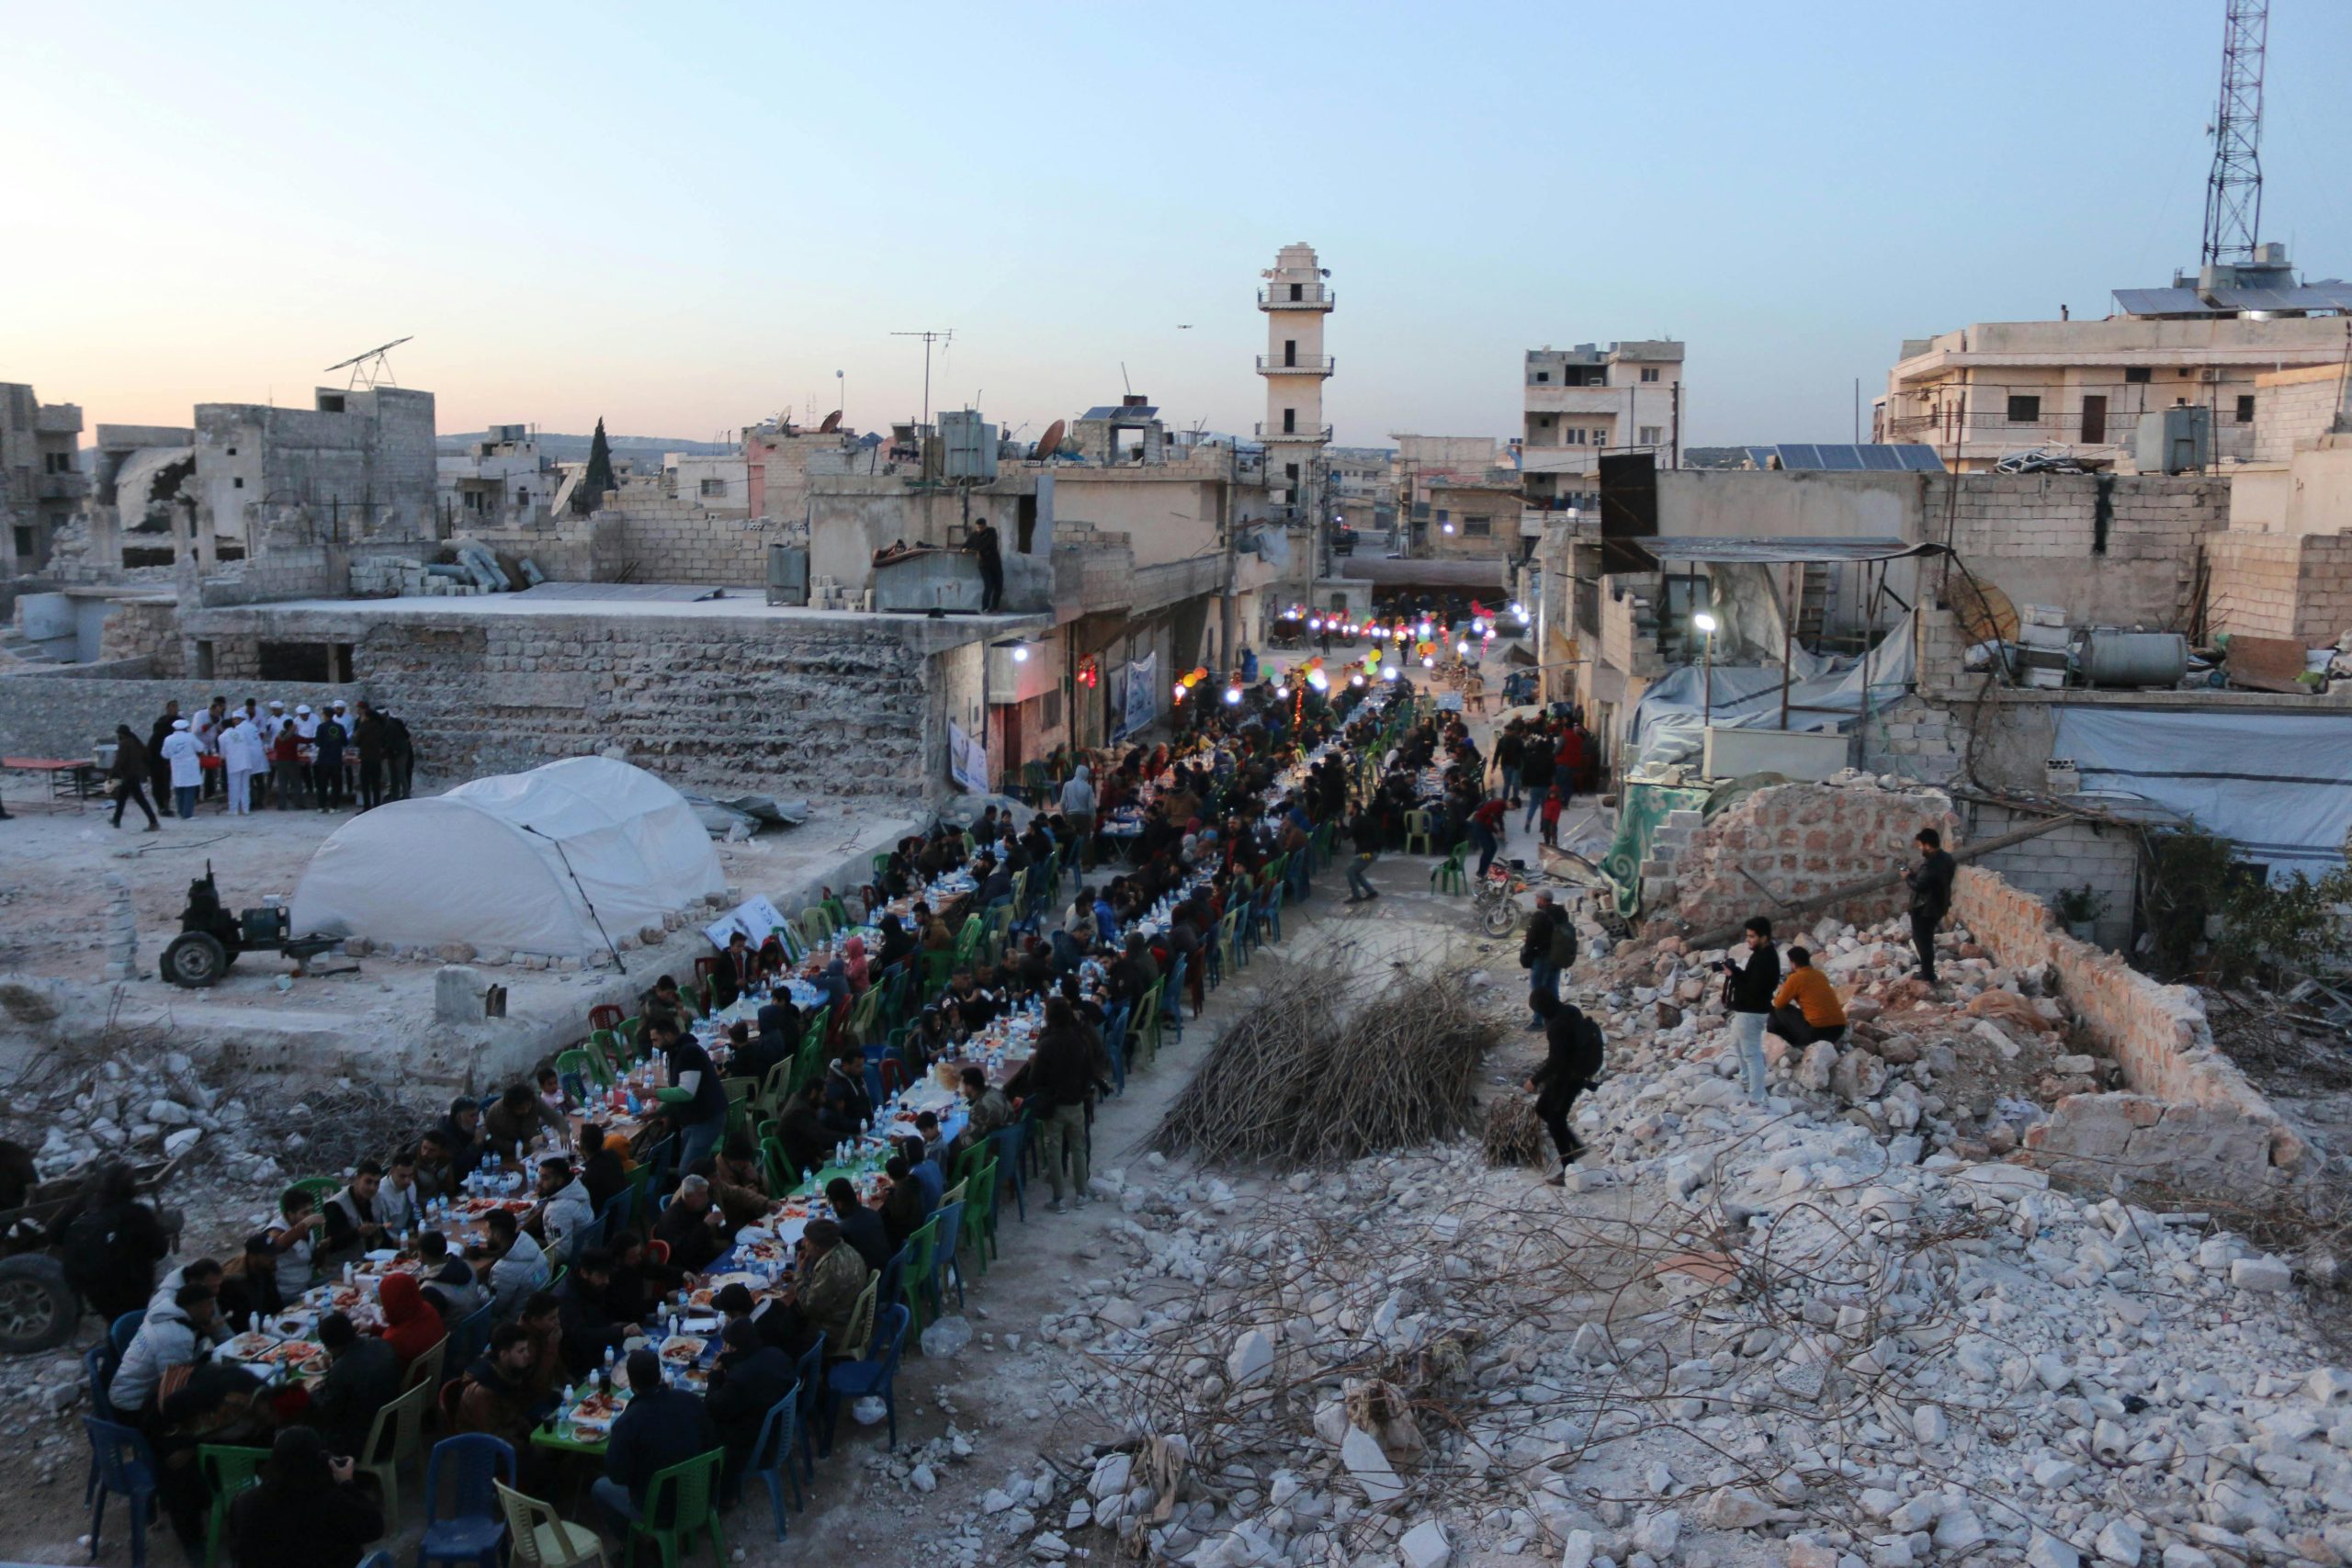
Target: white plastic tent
515 862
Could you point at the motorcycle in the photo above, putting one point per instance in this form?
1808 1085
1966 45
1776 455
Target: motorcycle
1495 898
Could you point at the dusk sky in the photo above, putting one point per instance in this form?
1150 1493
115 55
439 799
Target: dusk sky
688 218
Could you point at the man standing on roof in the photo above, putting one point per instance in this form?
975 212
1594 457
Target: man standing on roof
980 540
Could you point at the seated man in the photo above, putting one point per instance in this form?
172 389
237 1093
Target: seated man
862 1226
351 1222
752 1376
498 1399
1805 1008
365 1376
563 1210
987 1111
825 1293
510 1265
693 1226
589 1330
514 1122
461 1295
168 1337
662 1427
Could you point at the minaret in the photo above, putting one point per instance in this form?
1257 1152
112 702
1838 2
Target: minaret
1295 365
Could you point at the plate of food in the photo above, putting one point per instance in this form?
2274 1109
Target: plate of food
762 1251
251 1345
683 1350
593 1416
297 1356
482 1207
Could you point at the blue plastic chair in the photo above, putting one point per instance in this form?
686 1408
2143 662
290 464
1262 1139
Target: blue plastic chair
474 1527
894 1271
1171 997
1010 1142
1114 1045
618 1211
875 1375
810 1369
874 1055
771 1457
943 1258
98 1364
124 1330
125 1465
469 1338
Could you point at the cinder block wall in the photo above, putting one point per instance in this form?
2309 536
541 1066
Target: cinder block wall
2292 407
2275 585
2192 1120
2080 854
57 715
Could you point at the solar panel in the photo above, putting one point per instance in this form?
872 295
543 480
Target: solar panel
1800 457
1881 459
1919 459
1841 458
1761 456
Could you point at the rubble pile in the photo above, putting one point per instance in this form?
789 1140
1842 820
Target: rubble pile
1830 1332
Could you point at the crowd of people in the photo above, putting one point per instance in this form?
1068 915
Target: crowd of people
259 756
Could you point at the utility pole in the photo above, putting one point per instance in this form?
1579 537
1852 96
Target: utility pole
946 335
1226 614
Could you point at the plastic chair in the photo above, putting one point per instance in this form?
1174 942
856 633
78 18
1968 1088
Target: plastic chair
227 1470
124 1330
870 1375
98 1364
1172 989
320 1187
576 1071
1449 875
541 1536
816 924
810 1369
1009 1142
474 1526
1418 830
395 1437
469 1338
126 1466
950 1220
979 1213
618 1211
426 1369
917 1281
771 1457
688 1494
603 1015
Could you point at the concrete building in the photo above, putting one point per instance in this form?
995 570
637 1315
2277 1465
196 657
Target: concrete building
41 476
1995 389
355 463
777 458
1581 402
503 481
1295 300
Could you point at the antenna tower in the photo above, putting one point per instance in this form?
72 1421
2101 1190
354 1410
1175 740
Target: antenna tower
939 335
368 368
2234 190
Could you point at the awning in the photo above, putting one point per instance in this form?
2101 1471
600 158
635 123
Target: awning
1691 548
1425 573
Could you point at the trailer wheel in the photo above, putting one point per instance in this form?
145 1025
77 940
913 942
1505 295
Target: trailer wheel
195 960
39 1311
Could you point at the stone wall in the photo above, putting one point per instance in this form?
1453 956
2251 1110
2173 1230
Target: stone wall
144 628
2191 1120
54 713
806 704
2080 854
663 539
2278 585
1798 840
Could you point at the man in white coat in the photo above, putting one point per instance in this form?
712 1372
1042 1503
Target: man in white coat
243 756
185 758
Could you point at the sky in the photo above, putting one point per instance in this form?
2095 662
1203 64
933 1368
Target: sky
687 218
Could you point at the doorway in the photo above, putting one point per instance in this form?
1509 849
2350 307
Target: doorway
2094 419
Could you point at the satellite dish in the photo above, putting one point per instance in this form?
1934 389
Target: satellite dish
1985 613
832 422
1051 442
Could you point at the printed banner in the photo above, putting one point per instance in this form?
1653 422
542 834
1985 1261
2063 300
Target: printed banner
754 917
1143 695
968 759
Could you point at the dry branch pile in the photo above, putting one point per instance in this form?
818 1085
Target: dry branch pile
1334 1066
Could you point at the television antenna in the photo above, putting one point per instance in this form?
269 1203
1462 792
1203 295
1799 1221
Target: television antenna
942 336
369 367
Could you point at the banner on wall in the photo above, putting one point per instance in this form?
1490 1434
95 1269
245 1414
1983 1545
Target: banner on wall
754 917
968 759
1142 703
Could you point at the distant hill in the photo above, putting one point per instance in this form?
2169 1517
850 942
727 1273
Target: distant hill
1714 457
574 448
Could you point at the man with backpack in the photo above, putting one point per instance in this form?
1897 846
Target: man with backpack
1546 953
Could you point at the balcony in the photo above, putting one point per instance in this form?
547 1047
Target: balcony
1305 365
1316 298
1304 433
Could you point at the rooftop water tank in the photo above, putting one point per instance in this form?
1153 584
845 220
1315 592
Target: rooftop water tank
2112 657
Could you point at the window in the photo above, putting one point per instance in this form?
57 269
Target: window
330 403
1542 421
1542 376
1651 435
1441 514
714 486
2024 410
1576 436
2246 407
1290 351
237 484
1289 472
2138 376
1290 421
1600 437
1298 292
1478 527
232 451
1649 374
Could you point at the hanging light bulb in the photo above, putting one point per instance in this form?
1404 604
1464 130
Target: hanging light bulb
1389 673
1356 679
1233 693
1281 692
1319 681
1462 647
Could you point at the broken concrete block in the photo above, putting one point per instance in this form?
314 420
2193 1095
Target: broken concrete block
1425 1546
2263 1273
1361 1453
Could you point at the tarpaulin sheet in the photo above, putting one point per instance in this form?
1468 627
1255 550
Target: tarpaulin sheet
2276 784
1668 725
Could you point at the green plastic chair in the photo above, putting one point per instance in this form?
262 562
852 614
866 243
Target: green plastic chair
938 968
606 1044
1143 1029
1418 830
881 863
915 1276
837 911
688 1494
320 1187
979 1208
580 1069
228 1470
865 1016
816 923
1228 936
781 1177
633 1035
1449 875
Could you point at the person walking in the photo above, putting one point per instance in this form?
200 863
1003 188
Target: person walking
980 540
186 759
129 774
1061 1077
1486 830
367 734
1548 951
1078 808
1535 769
1573 1048
1930 884
1747 991
1365 831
